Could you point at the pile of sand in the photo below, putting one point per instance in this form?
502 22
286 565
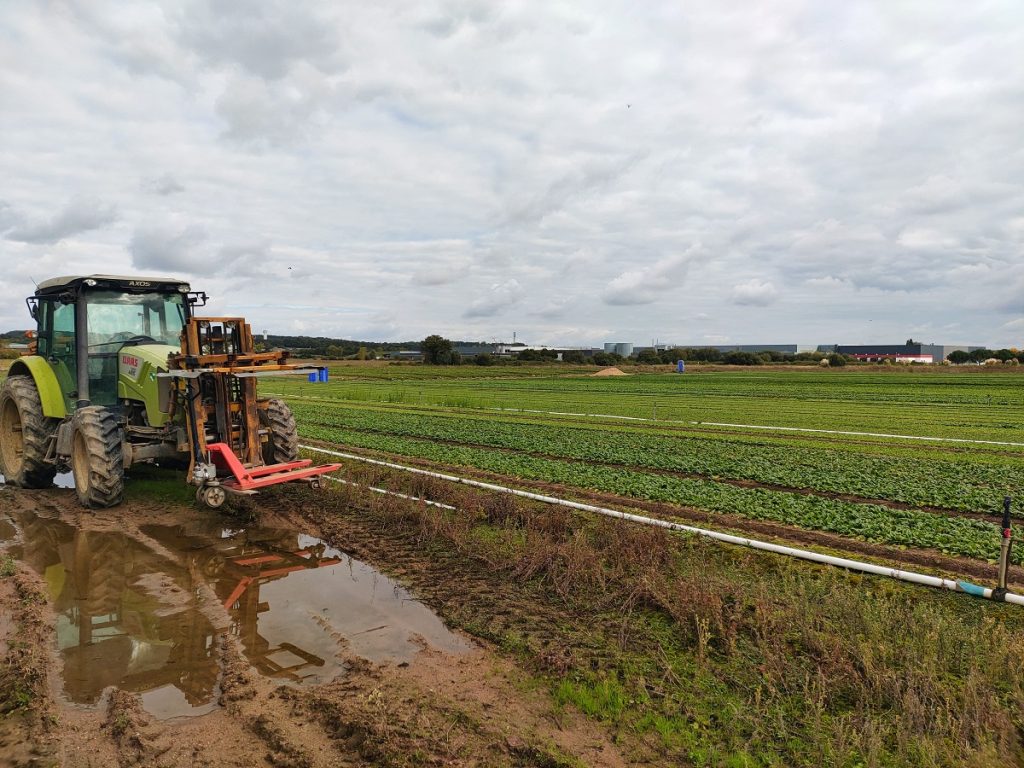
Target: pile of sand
609 372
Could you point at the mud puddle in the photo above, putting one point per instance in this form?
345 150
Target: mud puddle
61 480
143 613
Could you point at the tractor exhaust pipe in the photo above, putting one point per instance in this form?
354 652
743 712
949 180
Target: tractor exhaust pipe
82 350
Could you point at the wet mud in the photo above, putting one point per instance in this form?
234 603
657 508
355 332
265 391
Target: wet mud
163 634
130 614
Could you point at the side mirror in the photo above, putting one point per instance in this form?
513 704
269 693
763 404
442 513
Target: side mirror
33 307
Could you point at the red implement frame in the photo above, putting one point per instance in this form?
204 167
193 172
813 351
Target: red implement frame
260 477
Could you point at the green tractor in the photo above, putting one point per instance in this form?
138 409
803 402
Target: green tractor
123 372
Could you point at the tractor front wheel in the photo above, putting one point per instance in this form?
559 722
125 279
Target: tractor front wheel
96 457
282 435
25 435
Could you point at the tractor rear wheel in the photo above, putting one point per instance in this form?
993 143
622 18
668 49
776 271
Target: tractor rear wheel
96 457
282 435
25 435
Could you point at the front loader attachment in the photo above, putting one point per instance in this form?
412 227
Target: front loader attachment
215 378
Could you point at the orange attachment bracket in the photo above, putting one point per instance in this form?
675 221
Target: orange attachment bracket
260 477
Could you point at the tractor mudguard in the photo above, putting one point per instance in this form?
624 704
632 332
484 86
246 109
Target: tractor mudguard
46 382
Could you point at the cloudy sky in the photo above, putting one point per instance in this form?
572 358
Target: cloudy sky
777 171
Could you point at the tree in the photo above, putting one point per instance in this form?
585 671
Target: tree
981 355
483 359
573 356
437 350
603 359
648 357
836 360
362 354
742 358
958 357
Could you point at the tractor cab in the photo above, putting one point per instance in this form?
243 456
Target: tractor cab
97 333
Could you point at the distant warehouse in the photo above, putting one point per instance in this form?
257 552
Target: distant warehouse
897 353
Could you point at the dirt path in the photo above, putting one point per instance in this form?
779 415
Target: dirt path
473 707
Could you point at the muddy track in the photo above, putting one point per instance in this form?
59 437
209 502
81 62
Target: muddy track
946 564
467 709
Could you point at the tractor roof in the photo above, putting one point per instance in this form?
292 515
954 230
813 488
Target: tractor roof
110 282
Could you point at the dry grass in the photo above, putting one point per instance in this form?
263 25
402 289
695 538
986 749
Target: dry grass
730 657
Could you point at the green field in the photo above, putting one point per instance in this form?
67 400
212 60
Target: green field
647 436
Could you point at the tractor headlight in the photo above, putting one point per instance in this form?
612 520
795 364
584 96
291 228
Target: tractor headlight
90 282
183 289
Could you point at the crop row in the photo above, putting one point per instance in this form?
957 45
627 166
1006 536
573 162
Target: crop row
975 406
957 536
934 482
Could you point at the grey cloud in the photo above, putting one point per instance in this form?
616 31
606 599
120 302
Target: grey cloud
498 298
648 284
81 214
163 185
755 293
265 38
170 247
261 112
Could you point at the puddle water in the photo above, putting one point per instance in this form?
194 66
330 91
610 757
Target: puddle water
62 480
129 614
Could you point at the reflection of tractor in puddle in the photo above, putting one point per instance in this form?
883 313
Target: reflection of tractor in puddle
111 630
236 564
127 615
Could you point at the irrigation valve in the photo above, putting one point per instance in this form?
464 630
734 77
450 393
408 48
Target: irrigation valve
999 593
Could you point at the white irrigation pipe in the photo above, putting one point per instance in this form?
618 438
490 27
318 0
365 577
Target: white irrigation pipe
769 427
803 554
392 493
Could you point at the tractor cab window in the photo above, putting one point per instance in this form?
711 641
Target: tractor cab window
57 344
119 319
116 318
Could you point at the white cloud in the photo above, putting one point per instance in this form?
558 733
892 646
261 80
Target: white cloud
468 166
754 292
498 298
647 284
80 214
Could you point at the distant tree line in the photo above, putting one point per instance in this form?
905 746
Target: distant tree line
960 357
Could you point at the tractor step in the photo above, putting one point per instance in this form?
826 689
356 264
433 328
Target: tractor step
250 479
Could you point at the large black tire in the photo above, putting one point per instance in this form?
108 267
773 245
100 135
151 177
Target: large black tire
96 457
25 435
282 435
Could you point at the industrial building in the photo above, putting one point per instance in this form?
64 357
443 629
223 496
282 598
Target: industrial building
897 353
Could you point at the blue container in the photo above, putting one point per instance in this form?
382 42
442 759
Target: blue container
323 374
680 367
312 378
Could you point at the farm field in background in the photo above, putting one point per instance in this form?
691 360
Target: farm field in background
517 423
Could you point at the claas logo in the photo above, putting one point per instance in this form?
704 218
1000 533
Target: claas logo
130 360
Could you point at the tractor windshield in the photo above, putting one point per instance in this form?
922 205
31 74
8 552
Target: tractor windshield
116 318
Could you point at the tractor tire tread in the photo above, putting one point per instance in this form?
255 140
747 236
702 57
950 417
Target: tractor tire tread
283 441
36 432
102 435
